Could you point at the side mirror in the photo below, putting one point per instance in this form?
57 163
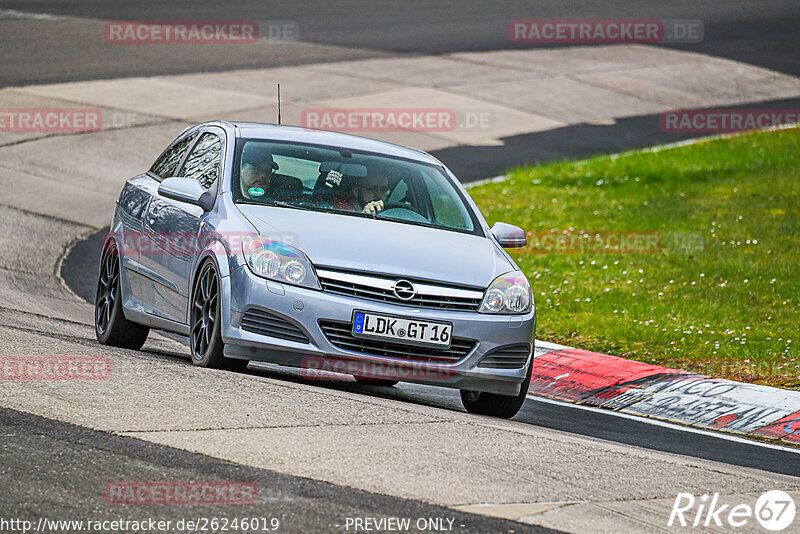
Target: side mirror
509 236
186 190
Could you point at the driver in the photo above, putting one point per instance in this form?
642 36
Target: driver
257 177
371 192
257 166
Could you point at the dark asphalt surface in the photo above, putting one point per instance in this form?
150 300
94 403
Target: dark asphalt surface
59 471
79 271
36 51
44 50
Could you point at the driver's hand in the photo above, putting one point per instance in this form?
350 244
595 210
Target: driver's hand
373 207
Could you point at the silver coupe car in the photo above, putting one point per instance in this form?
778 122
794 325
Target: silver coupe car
323 251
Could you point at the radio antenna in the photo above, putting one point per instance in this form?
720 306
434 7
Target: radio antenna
279 103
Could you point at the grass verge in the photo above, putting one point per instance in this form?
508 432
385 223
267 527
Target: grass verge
712 284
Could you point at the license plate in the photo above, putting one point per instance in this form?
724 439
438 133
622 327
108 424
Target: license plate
401 329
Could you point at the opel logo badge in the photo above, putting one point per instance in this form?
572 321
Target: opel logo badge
404 290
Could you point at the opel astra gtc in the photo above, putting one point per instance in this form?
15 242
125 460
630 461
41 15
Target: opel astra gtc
323 251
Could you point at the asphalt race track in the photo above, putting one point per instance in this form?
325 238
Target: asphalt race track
336 31
324 451
759 33
306 505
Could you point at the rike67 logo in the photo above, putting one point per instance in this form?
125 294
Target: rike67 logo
774 510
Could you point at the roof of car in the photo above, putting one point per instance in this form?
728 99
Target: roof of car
258 130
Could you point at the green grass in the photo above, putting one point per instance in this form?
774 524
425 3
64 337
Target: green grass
719 298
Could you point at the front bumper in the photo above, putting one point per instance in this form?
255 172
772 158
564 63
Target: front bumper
305 308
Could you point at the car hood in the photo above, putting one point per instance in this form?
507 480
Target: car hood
382 247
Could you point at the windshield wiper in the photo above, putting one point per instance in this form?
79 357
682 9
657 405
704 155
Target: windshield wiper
279 203
311 207
406 221
284 204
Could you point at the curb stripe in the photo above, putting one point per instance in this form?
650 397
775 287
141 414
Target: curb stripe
639 389
666 424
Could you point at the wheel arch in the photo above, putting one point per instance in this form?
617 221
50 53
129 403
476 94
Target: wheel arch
113 235
116 237
216 253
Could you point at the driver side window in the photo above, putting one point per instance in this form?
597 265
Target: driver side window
167 164
203 163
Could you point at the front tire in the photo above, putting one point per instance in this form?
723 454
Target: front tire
505 406
110 324
205 320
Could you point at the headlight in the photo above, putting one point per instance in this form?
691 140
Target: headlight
509 293
278 261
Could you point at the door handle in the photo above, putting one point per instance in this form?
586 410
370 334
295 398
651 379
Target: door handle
152 213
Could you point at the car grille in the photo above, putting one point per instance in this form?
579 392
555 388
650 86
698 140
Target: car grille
380 289
508 357
264 323
340 335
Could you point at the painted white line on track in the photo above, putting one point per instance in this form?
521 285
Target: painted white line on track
14 14
665 424
696 140
476 183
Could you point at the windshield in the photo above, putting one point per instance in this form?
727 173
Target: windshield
352 183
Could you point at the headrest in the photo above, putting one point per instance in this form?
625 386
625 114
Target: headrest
347 169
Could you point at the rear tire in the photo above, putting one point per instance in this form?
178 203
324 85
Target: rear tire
205 321
505 406
110 324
